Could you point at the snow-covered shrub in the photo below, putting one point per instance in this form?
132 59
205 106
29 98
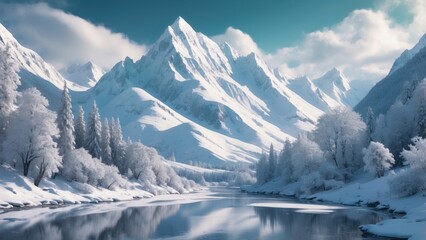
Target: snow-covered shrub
80 166
377 159
416 155
242 176
407 182
413 179
306 157
325 177
310 168
139 161
147 166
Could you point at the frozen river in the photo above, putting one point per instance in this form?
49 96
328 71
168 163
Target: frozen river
215 214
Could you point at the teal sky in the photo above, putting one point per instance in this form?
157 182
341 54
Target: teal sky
272 24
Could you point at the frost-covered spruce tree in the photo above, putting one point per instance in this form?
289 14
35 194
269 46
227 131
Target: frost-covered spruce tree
106 143
65 120
371 124
80 129
420 96
93 132
117 145
272 162
284 166
9 82
377 159
30 143
262 169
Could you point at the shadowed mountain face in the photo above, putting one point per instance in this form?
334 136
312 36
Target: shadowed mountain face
401 79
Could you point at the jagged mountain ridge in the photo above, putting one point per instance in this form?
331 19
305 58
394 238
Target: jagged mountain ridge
85 75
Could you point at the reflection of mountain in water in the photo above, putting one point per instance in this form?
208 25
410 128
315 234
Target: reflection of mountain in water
342 224
131 223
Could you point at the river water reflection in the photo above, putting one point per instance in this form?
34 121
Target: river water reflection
228 214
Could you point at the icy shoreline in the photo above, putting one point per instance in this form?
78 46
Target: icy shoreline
370 193
19 192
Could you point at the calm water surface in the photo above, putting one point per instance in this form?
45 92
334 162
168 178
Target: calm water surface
229 215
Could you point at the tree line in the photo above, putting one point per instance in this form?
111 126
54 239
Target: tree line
343 144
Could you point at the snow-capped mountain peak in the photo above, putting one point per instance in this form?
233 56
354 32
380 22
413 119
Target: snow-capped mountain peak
333 77
311 93
180 25
85 75
337 86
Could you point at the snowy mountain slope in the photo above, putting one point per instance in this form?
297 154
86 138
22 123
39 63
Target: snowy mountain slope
303 86
395 86
334 84
226 106
34 70
85 75
408 54
146 118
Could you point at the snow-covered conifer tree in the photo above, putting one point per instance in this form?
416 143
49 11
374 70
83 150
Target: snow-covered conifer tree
65 120
93 132
80 129
284 166
117 144
30 136
371 124
262 169
272 162
106 143
421 109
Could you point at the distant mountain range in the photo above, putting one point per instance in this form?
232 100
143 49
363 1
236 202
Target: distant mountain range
192 98
85 75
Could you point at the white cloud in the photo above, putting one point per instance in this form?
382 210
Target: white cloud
364 45
242 42
62 38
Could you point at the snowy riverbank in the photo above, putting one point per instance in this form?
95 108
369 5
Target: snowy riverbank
368 192
19 191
